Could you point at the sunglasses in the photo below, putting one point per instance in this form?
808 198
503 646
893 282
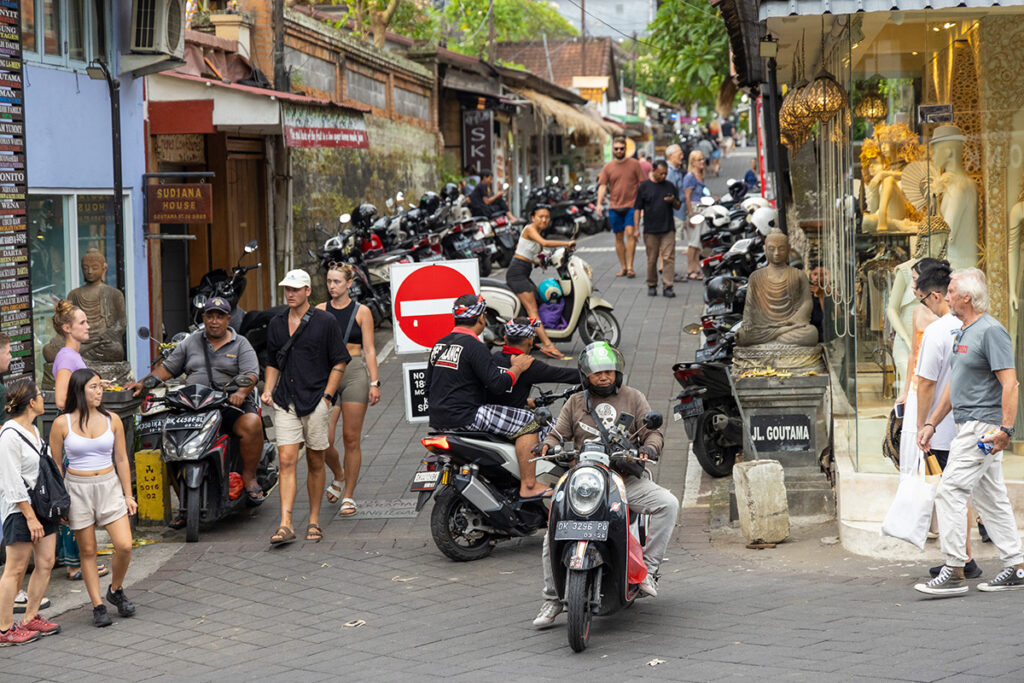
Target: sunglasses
618 149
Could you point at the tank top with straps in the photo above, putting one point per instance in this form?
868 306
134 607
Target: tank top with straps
89 454
344 317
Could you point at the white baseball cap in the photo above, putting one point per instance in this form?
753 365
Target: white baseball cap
295 278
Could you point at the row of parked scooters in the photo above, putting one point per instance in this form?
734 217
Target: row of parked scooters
733 231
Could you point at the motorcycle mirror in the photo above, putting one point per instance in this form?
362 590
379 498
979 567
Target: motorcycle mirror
697 219
692 328
542 416
246 381
251 246
390 203
653 420
554 180
199 300
707 201
345 218
520 180
547 179
143 332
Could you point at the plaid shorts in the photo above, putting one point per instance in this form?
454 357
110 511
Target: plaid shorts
504 421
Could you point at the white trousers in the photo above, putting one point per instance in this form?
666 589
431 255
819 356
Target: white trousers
970 472
645 496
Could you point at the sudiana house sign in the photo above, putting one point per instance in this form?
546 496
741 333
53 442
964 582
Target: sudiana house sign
323 127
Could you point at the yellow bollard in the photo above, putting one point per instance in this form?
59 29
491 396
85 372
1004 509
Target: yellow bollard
153 497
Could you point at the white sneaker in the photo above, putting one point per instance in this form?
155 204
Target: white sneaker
649 586
21 602
548 611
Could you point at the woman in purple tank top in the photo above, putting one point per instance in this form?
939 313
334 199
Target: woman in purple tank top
70 322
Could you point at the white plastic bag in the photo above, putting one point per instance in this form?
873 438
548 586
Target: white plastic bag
910 515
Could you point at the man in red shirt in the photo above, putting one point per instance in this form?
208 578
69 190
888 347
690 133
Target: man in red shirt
620 179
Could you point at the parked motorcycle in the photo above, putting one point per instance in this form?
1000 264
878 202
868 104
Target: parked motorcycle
708 408
474 479
219 283
589 314
595 542
185 426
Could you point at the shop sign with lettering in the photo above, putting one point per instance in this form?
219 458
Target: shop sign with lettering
477 129
324 127
179 203
187 148
780 432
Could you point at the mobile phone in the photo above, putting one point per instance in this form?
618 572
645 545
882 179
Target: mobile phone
899 410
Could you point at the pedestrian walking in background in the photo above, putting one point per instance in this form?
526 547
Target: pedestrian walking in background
982 393
645 164
728 136
307 357
99 482
693 190
619 180
655 200
687 235
359 387
25 535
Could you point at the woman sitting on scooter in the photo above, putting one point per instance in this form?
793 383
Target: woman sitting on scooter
518 275
99 483
360 386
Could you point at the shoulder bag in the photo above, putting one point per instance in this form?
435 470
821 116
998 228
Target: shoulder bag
50 500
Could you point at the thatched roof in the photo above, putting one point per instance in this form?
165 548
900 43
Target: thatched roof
568 116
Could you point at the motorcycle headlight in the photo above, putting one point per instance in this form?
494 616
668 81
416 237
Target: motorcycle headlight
586 490
195 446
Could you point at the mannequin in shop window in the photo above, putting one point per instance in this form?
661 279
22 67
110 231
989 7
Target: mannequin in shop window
104 307
958 196
1015 274
882 161
903 302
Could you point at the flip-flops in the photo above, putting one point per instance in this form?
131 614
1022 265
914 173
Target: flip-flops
631 273
283 535
334 491
76 575
255 497
546 493
348 508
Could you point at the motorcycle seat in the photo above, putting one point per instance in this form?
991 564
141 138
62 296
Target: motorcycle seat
493 282
386 259
479 436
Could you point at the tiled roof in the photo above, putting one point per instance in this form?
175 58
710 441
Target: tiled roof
566 59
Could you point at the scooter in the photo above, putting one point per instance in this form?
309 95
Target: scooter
708 408
595 542
185 426
474 479
583 311
227 286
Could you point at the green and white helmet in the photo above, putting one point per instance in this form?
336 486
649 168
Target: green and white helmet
597 357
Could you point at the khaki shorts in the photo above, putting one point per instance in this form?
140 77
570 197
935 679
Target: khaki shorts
355 383
95 500
310 430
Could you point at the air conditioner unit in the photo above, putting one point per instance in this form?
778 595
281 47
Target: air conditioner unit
158 27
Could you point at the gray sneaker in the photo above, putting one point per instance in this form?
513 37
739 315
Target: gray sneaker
649 586
950 581
548 611
1009 579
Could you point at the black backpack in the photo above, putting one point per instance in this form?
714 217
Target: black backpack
50 500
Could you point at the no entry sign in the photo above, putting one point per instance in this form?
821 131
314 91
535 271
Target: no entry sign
422 295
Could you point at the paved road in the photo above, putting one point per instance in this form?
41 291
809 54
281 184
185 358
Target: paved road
376 600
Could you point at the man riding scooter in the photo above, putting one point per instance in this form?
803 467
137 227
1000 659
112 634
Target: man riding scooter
519 340
586 416
460 374
212 357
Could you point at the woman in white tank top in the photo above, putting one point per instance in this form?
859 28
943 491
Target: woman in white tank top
99 482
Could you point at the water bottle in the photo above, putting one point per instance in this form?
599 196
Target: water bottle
987 446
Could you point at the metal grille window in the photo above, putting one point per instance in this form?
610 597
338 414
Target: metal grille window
409 103
366 90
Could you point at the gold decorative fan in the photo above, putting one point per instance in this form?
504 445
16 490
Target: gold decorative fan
919 181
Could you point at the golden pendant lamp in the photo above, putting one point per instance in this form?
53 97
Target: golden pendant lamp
872 107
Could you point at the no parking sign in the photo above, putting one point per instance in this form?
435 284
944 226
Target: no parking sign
422 295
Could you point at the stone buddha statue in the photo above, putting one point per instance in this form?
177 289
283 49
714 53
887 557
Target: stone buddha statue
105 309
778 307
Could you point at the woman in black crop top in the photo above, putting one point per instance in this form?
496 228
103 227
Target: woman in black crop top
359 386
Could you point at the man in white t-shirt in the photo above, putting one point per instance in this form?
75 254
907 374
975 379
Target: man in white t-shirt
932 375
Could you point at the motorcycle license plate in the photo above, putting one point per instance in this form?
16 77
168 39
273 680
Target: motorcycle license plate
191 421
692 408
425 481
572 530
152 426
716 309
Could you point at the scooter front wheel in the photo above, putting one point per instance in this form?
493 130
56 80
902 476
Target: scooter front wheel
598 324
191 513
577 596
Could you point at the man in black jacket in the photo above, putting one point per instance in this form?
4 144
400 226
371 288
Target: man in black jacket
519 334
461 373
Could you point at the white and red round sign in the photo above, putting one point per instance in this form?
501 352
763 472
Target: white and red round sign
422 295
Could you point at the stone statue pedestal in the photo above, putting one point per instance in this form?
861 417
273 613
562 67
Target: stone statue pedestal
786 357
788 420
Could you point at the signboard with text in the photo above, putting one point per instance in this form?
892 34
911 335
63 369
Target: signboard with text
780 432
179 203
306 126
422 295
15 287
477 130
414 377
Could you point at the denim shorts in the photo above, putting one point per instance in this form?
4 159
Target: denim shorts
618 219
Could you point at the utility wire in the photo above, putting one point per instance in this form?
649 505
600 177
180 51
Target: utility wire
629 35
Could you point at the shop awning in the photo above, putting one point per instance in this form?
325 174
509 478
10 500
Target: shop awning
568 116
788 8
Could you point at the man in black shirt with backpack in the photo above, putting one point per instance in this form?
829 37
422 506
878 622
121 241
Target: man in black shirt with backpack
460 375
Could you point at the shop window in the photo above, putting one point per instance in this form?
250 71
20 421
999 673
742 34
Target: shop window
71 33
49 263
413 104
96 229
366 90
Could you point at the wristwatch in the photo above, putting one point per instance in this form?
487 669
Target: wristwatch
1007 430
329 397
375 384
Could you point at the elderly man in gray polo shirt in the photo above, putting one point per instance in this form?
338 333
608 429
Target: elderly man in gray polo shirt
982 394
229 355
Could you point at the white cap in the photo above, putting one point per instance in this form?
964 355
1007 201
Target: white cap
295 278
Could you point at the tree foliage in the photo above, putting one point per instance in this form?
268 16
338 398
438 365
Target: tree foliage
372 18
687 53
467 27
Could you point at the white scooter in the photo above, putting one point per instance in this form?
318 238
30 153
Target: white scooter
585 311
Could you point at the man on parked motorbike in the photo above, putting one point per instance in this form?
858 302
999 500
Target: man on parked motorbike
461 373
219 351
519 336
584 417
483 203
